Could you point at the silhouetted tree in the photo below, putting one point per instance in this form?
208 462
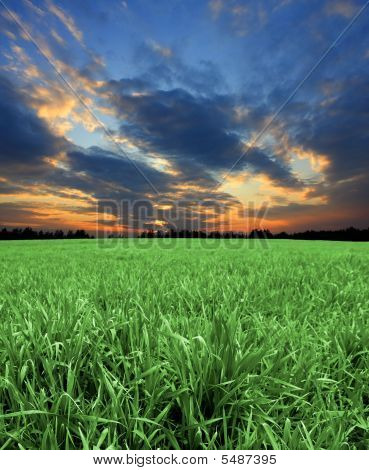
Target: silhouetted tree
29 234
347 234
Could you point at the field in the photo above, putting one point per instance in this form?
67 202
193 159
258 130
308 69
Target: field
198 345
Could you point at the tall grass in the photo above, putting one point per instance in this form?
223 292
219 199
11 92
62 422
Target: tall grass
184 348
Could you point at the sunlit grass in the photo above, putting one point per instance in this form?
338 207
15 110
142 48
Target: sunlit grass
193 347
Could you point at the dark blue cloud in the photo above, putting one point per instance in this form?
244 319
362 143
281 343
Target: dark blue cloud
100 168
191 130
163 68
25 138
339 129
335 125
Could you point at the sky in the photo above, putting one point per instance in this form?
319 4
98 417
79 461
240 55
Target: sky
217 115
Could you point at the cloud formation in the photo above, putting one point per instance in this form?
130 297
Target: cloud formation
189 130
185 99
66 20
25 139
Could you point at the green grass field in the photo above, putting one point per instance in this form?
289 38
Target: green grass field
222 346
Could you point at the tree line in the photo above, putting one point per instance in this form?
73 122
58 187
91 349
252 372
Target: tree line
347 234
29 234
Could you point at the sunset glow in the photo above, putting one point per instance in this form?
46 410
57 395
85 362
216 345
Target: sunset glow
100 103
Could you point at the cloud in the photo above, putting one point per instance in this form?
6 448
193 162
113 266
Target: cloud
32 157
49 96
106 175
111 173
216 6
161 50
13 214
345 8
189 130
36 162
240 17
66 19
25 138
338 129
333 131
186 122
34 8
161 68
57 37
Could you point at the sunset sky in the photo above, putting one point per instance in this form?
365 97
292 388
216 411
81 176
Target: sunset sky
211 106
